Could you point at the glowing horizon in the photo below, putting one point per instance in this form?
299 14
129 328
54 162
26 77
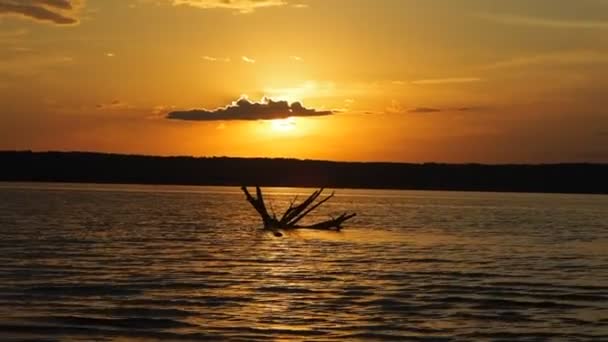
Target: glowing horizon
390 80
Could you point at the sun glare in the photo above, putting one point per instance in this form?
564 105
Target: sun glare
283 125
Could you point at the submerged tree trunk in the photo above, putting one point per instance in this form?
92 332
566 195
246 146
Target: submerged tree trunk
295 213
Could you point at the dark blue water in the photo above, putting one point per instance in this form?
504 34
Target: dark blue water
94 262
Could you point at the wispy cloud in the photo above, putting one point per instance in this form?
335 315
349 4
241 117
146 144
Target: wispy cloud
21 49
33 63
216 59
115 104
244 109
557 58
59 12
468 109
14 40
424 110
308 89
13 34
247 59
160 110
550 23
445 80
241 6
397 108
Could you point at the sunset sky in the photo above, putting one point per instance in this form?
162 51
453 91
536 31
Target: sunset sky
490 81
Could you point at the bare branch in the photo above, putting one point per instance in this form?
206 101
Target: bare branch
333 223
301 216
302 206
260 199
294 213
259 206
290 209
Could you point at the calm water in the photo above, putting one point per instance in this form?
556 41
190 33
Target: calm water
96 262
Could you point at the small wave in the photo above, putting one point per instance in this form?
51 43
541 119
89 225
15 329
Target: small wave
128 323
284 289
139 312
497 304
42 332
532 336
371 336
82 290
504 317
548 286
391 305
272 331
501 292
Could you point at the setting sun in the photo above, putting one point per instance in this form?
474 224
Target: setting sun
283 125
404 91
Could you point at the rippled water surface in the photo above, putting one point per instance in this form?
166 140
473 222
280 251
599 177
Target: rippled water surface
115 262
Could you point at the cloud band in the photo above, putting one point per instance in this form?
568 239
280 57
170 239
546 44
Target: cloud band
59 12
244 109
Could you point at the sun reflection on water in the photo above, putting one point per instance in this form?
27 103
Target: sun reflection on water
195 265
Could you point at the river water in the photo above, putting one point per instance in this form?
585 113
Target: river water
127 262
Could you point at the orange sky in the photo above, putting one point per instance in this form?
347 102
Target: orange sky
394 80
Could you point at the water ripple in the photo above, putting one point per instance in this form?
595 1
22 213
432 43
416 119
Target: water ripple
80 263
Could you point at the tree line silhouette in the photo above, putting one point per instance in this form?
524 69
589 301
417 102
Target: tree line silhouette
138 169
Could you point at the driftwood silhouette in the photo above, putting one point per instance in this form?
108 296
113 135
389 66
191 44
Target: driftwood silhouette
295 213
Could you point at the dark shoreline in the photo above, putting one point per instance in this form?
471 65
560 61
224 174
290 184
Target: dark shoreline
103 168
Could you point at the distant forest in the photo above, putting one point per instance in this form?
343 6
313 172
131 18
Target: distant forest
136 169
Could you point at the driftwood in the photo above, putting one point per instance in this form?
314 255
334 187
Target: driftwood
295 213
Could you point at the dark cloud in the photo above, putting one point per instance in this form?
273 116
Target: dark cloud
243 109
424 110
60 12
